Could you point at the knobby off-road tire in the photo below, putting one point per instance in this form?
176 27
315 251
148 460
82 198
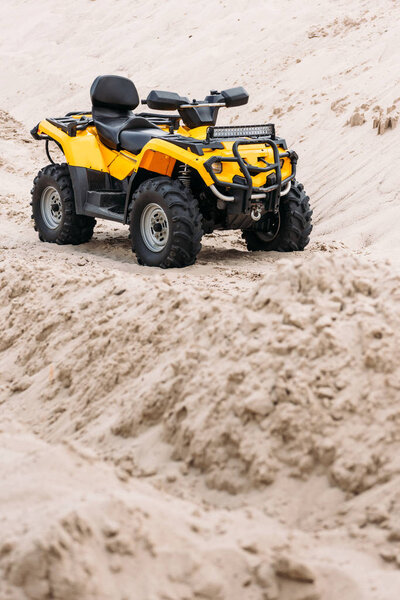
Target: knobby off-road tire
53 208
295 224
165 224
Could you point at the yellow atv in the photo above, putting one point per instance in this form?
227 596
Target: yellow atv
172 177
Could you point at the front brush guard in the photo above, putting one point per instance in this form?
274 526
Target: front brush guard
249 170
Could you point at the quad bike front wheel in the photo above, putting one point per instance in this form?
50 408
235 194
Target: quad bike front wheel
53 208
165 224
287 231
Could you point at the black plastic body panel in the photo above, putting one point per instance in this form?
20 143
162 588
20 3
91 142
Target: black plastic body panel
199 116
98 194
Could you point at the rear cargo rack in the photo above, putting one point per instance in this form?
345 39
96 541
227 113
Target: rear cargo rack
249 170
70 125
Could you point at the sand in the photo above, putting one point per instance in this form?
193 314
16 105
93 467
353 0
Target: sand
229 430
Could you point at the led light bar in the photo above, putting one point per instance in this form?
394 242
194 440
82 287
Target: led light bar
252 131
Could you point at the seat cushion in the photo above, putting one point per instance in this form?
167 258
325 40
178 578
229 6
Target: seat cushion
108 127
133 140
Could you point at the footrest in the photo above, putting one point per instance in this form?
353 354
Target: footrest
105 198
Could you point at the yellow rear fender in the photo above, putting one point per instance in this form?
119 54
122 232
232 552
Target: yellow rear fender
83 150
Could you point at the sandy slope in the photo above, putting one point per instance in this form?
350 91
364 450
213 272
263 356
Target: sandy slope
229 430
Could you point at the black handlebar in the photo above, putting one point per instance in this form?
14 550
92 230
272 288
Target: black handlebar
161 100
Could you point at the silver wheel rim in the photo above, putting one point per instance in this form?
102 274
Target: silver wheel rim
154 227
51 207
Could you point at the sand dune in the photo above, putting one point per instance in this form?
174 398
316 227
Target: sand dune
229 430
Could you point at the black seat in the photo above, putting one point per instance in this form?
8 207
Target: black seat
137 132
113 99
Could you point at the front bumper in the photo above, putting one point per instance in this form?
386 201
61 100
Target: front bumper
272 188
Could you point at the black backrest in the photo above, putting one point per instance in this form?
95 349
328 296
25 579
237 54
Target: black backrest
114 92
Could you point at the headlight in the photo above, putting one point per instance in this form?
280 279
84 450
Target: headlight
217 167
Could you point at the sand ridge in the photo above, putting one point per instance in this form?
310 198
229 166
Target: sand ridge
229 430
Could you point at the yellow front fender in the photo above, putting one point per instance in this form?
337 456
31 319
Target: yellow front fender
161 151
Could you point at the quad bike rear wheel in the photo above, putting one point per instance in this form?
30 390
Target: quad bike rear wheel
53 208
165 224
287 231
